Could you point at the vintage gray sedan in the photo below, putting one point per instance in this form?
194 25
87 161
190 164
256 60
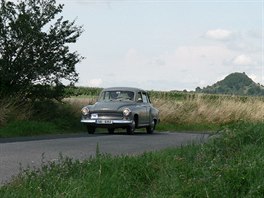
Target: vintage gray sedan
121 107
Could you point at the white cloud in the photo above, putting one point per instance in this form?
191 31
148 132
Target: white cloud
196 58
219 34
190 65
243 60
95 82
257 34
186 67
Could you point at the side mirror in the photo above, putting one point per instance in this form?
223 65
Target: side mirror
139 100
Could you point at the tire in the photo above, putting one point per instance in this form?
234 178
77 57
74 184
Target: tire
90 129
131 128
151 127
111 130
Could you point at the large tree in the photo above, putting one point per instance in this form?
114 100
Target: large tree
34 46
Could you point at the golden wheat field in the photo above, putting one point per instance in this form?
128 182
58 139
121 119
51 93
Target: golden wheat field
199 109
190 110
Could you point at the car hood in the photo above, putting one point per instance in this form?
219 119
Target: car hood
109 106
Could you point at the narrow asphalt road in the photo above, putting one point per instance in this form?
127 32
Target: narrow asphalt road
31 152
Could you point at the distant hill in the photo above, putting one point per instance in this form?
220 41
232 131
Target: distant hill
234 84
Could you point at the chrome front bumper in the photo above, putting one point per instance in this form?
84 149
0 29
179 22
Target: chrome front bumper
112 122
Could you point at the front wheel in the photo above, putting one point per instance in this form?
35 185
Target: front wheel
90 129
131 128
151 127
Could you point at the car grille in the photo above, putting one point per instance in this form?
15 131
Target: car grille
109 115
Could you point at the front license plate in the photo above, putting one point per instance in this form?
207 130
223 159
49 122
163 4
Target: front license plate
94 116
104 121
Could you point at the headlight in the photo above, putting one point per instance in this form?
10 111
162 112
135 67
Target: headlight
85 111
126 112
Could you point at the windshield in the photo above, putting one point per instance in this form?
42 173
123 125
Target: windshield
117 96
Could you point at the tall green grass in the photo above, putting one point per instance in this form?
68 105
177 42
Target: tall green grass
38 118
14 109
230 165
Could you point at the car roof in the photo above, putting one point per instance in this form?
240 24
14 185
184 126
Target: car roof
133 89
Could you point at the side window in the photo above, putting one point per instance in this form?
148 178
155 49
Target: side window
145 97
106 96
139 97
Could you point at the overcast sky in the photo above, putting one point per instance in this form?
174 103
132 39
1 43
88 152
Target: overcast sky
167 44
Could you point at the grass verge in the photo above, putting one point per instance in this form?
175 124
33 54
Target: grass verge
228 166
28 128
199 127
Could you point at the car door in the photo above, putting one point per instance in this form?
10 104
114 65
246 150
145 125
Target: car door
147 104
145 108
